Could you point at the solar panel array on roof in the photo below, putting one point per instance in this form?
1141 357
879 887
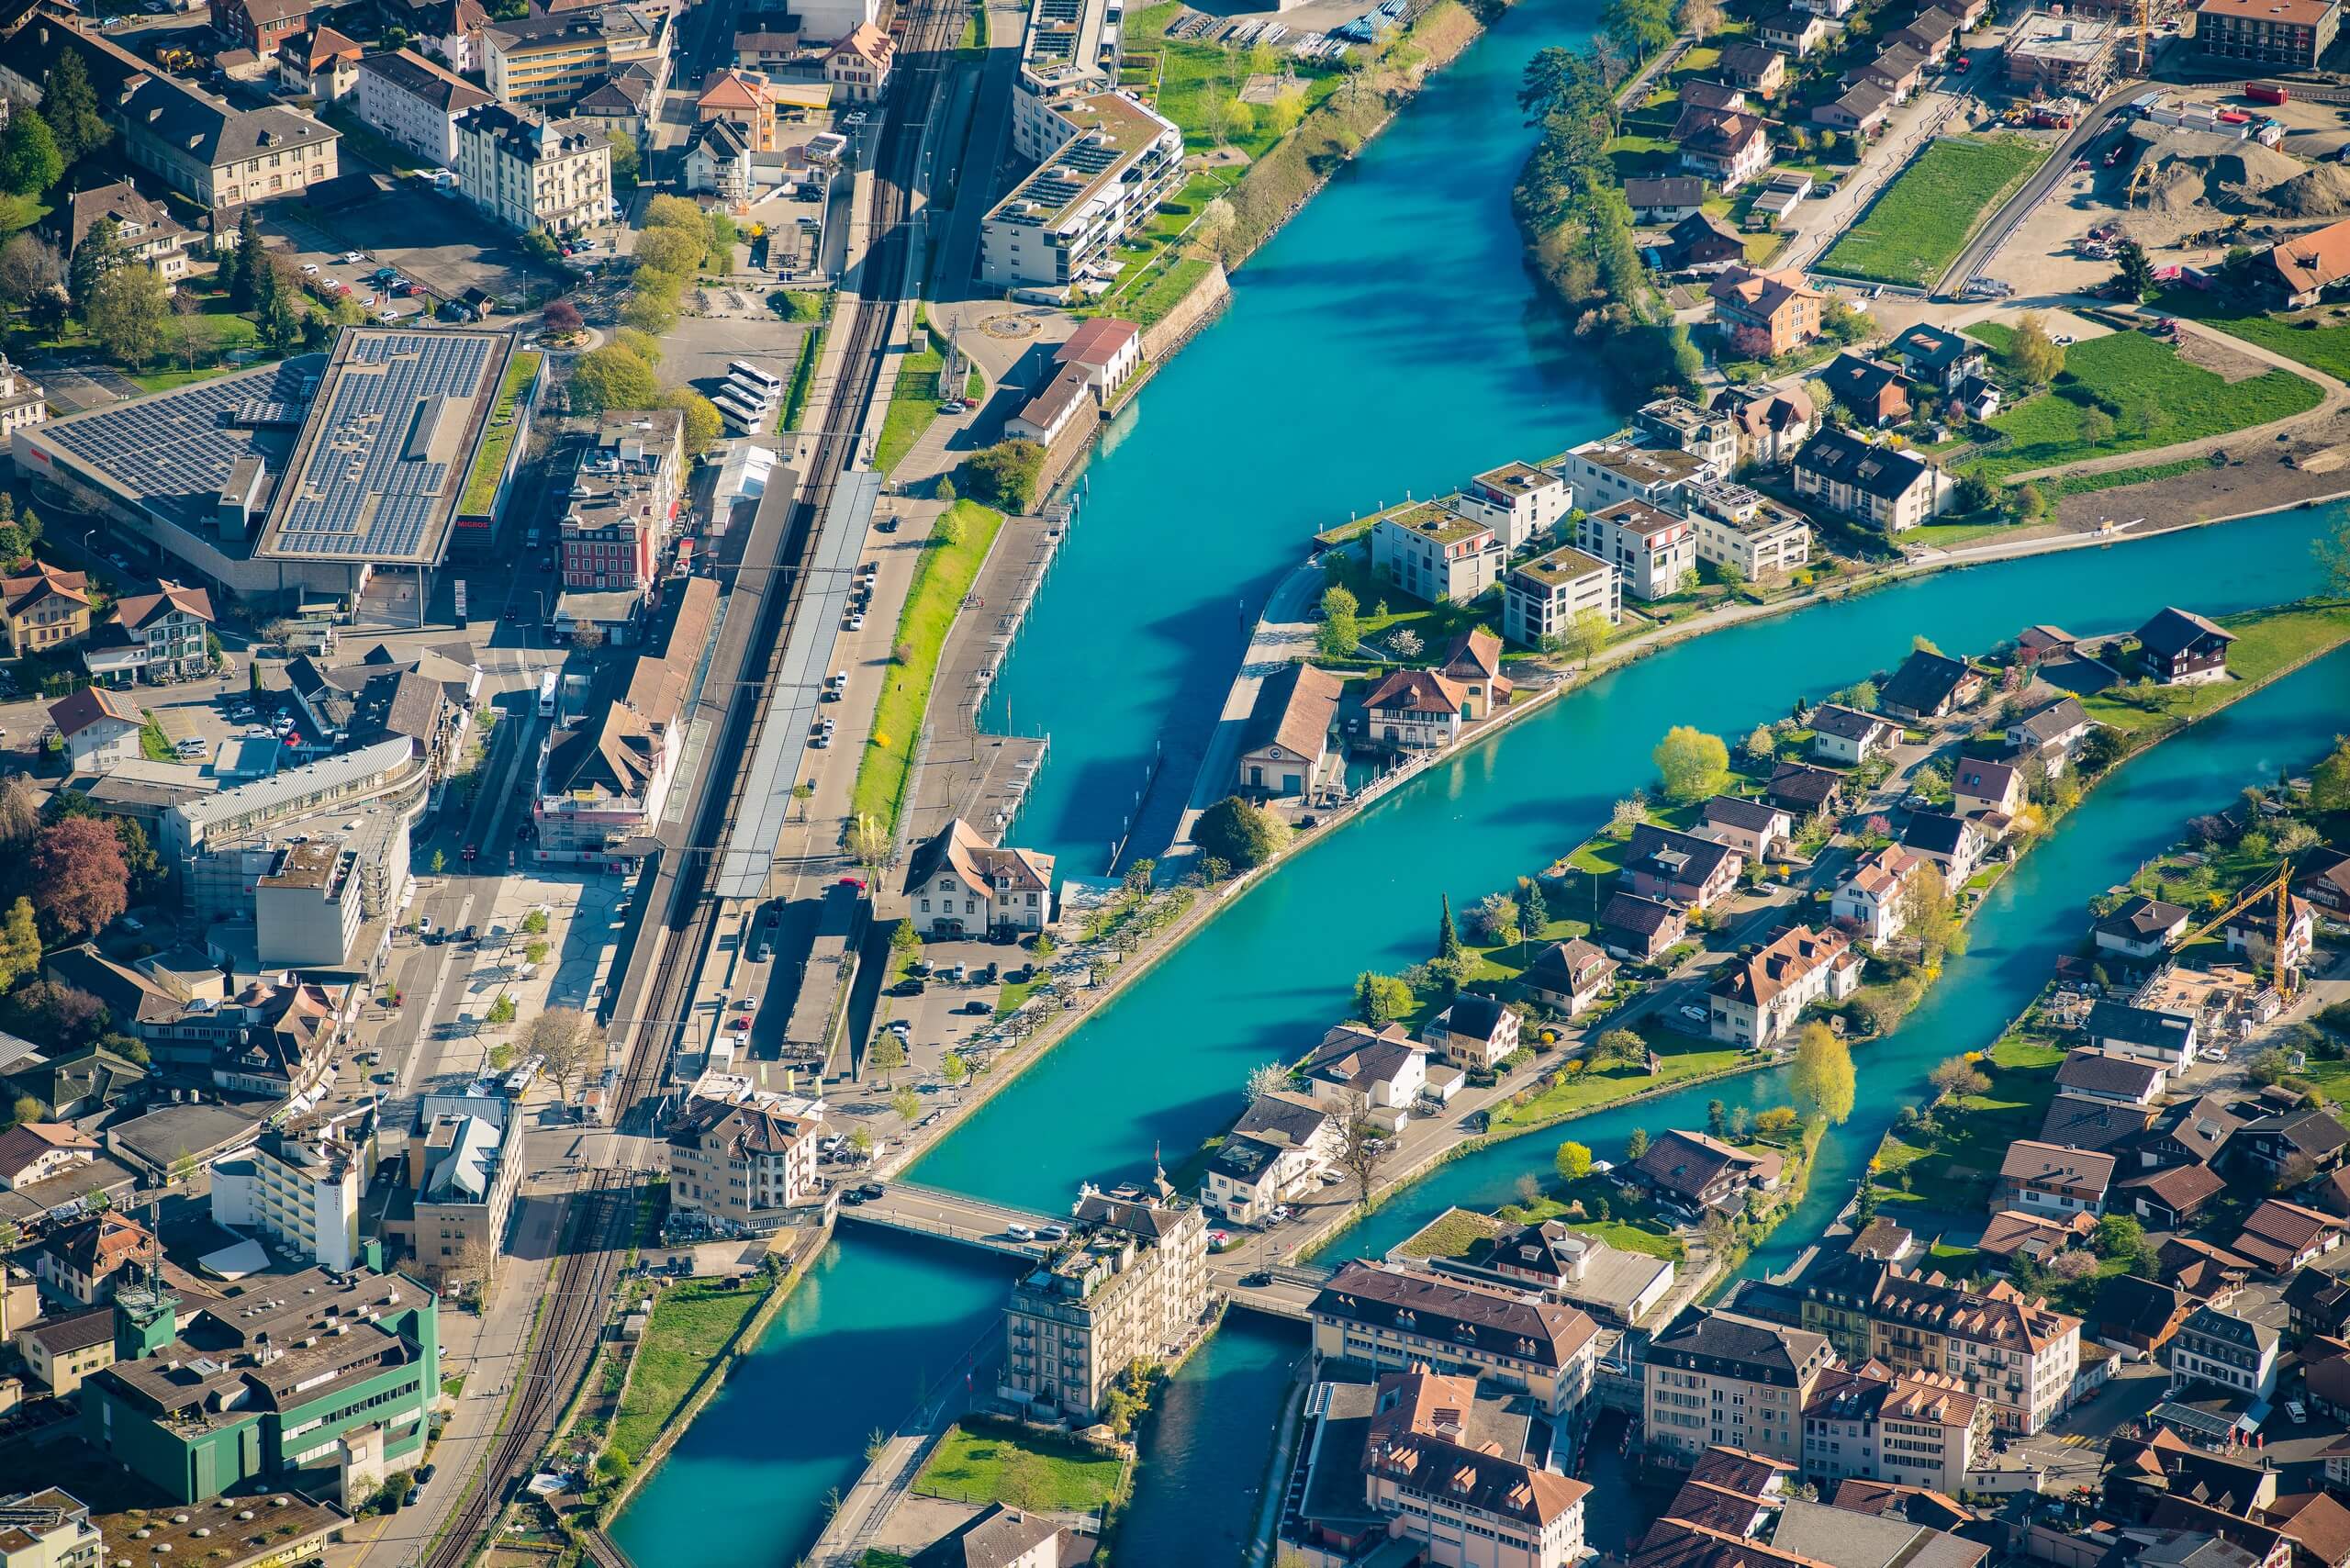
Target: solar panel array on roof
368 488
176 450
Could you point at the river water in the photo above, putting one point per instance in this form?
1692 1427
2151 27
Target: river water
1386 341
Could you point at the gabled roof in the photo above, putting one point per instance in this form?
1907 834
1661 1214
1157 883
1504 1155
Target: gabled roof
2308 263
1503 1322
1752 816
2137 1026
1813 787
1415 691
141 611
1846 723
2104 1072
1778 966
2058 718
1672 190
76 711
1985 780
1844 458
1675 856
1566 966
422 79
1294 710
2141 919
1924 682
1096 343
1937 832
2173 631
2030 1163
977 861
1630 911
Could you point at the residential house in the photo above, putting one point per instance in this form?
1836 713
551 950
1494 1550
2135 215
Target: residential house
1541 597
1937 358
1696 1172
1760 70
1668 199
2170 1199
2000 1345
718 160
1000 1537
44 608
1278 1151
1654 551
2093 1074
1935 31
320 63
2052 736
1754 828
1569 976
2039 1237
414 102
1416 710
2179 647
1897 69
2107 1127
2266 35
1765 314
2317 1305
1641 929
2136 1315
1793 31
744 1163
2042 1178
100 728
2222 1350
2300 269
1726 146
1860 110
1804 789
1473 664
1434 554
530 173
1395 1320
1929 686
450 32
1986 788
2253 933
1717 1377
2279 1238
1955 844
2304 1137
1742 529
258 25
1382 1071
858 65
2139 927
32 1152
158 636
1522 502
63 1350
1699 242
1874 897
2142 1032
976 887
1662 863
1847 735
1286 748
2326 879
1473 1033
1872 390
83 1261
145 230
1757 1000
1891 490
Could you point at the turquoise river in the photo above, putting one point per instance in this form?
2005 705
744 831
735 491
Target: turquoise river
1386 341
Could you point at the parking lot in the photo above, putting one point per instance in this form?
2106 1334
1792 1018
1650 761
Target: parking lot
463 252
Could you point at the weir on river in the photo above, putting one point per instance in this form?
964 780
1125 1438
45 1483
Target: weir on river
1388 341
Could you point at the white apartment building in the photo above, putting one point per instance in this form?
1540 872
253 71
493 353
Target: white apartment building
1873 896
1520 502
22 402
1740 528
1997 1345
1883 486
743 1163
1606 472
1654 551
299 1186
2224 1350
1542 597
1913 1430
528 172
1720 1377
1071 51
1129 1283
1758 999
1278 1151
958 883
1705 435
1395 1319
1057 231
409 100
1436 555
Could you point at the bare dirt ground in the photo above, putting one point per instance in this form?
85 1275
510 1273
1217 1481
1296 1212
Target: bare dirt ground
2226 363
2256 477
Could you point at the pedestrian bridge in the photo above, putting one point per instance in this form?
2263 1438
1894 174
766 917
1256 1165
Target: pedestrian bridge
952 1216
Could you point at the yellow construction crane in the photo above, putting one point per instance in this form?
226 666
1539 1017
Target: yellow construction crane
2145 37
2276 884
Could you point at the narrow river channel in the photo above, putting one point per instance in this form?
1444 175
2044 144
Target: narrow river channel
1340 377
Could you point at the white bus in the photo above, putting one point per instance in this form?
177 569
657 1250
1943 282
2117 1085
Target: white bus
744 370
546 695
744 420
750 393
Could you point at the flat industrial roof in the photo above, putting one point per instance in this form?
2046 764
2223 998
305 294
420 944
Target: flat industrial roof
173 451
390 440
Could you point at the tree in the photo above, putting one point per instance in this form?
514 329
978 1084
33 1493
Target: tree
644 345
1759 744
1957 1076
1635 1145
2118 1236
69 104
2032 354
1929 914
2133 275
1627 814
2031 505
1572 1161
126 313
648 310
1447 939
1287 109
80 883
1778 1123
611 377
1005 474
2332 552
907 1104
1267 1078
1701 19
29 160
2330 780
1976 494
31 272
567 1044
1496 919
502 1012
20 944
1585 637
1024 1481
24 1108
246 262
1822 1082
54 1014
1341 631
1640 28
1691 764
1214 224
1363 1144
562 317
886 1055
625 163
1380 999
1231 830
138 857
702 425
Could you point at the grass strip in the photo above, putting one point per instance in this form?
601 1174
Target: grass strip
489 463
972 1467
803 380
940 583
1918 226
692 1324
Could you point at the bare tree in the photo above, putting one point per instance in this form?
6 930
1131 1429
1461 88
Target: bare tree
1363 1144
567 1044
869 841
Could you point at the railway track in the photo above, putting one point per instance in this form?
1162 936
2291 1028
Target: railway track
600 1227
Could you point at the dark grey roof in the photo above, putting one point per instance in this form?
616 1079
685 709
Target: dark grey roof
1754 816
2137 1026
2174 631
1881 471
1814 787
2310 1131
1475 1016
163 107
2098 1073
1924 682
1676 190
2141 919
1501 1322
1846 723
420 78
1764 1352
1677 857
1936 833
2044 727
1934 348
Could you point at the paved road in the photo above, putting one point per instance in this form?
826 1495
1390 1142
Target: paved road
2021 206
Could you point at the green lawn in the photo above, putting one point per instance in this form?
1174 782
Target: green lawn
2150 396
800 305
2114 478
1577 1092
971 1467
803 380
2319 339
164 380
1950 535
940 582
20 212
2267 641
913 402
153 743
1917 227
691 1323
1193 77
1452 1234
1957 1172
490 462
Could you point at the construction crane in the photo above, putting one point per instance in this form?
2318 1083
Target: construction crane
2145 37
2277 885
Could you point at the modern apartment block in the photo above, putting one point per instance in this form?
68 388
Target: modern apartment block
464 1169
1510 1341
1104 168
546 59
299 1186
1721 1377
1741 528
1542 597
531 173
1520 501
1705 434
2267 35
1654 551
1071 53
1129 1283
1436 555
